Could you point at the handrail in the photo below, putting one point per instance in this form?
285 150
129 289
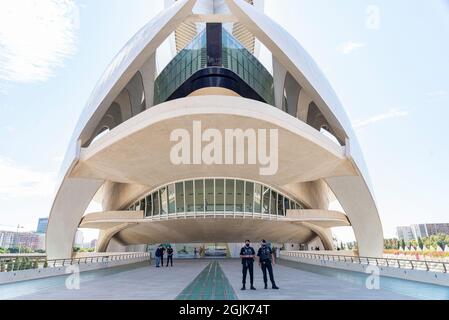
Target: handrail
423 265
13 264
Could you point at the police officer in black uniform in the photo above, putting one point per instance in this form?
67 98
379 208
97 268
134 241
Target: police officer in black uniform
247 254
169 256
265 255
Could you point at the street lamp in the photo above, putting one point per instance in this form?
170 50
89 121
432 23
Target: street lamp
17 235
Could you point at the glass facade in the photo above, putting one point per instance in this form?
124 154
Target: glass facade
212 196
193 58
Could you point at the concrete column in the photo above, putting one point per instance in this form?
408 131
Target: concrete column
71 202
304 102
148 72
280 74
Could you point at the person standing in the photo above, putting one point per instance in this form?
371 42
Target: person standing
158 256
170 256
247 254
162 255
266 261
195 252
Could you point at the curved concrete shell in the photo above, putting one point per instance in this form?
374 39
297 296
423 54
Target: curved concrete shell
132 158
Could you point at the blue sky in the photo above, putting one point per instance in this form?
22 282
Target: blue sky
387 60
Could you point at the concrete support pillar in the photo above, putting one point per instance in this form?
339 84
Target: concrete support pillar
148 72
280 74
71 202
304 102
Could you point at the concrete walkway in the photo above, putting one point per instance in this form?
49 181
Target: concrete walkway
301 285
141 282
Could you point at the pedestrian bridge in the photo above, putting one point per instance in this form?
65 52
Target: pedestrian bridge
214 280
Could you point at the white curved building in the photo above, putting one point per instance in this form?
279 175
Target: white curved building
132 127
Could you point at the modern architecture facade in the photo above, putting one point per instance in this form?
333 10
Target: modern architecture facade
424 230
42 225
12 239
130 152
405 233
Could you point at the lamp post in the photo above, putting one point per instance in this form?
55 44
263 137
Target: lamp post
17 235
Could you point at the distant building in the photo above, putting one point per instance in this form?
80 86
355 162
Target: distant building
405 233
11 239
419 231
93 243
42 225
416 231
436 228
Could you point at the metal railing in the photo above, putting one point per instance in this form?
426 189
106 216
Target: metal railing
13 264
423 265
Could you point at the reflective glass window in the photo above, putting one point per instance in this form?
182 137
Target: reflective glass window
239 195
230 186
156 204
210 195
266 200
189 196
180 197
219 195
258 191
149 208
171 199
280 205
249 196
273 203
199 195
163 201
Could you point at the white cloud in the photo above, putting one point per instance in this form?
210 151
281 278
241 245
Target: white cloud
18 182
349 47
393 113
35 37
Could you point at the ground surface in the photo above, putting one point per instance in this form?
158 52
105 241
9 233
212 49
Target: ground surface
193 279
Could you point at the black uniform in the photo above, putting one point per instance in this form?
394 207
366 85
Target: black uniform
170 256
248 264
265 255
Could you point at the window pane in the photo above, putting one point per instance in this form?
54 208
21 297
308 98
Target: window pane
286 205
164 202
180 198
280 205
230 184
189 196
156 203
257 198
249 197
239 195
266 200
171 199
210 195
148 211
273 203
137 206
219 195
199 195
142 205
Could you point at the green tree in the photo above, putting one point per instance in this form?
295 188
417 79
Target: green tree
420 243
